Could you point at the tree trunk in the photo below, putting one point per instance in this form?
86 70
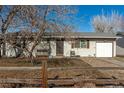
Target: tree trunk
32 58
4 49
0 51
49 51
4 42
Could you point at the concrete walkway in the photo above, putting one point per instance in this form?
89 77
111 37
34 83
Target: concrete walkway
114 61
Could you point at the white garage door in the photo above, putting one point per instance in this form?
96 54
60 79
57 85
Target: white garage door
103 49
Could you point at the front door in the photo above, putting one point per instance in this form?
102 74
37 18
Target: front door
59 48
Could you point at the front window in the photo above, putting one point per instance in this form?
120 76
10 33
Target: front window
80 44
42 52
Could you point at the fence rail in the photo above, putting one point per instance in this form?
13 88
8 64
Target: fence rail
63 82
62 68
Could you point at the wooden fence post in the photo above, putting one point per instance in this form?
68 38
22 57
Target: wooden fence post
44 74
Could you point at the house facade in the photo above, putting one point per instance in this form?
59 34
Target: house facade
82 44
87 45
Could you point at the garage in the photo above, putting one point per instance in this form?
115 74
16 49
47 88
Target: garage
103 49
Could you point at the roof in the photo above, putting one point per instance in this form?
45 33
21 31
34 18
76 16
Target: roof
120 33
84 35
68 35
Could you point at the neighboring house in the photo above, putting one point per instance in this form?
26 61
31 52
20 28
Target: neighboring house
120 44
83 44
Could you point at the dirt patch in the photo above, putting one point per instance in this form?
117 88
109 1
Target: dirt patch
67 62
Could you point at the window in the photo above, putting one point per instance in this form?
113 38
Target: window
84 44
80 44
42 50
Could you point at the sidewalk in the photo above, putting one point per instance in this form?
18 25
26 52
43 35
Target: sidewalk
20 68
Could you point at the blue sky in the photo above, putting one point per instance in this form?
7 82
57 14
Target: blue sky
86 12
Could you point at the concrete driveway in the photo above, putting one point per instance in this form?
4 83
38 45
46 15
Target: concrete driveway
113 61
98 62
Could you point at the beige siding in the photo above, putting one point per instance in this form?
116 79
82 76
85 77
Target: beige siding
83 52
114 48
80 51
53 48
45 45
87 52
67 48
10 52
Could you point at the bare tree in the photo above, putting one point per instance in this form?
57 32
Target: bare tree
108 23
7 16
31 23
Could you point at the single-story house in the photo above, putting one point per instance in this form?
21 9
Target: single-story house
120 44
83 44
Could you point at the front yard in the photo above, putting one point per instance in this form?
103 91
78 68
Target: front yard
54 62
54 74
57 74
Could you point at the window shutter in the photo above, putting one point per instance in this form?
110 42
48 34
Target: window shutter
88 45
77 44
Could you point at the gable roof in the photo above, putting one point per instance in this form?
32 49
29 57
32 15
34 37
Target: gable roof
120 34
68 35
83 35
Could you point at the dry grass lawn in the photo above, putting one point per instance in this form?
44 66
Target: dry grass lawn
60 62
54 62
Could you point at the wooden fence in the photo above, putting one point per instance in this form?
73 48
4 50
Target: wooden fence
45 81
